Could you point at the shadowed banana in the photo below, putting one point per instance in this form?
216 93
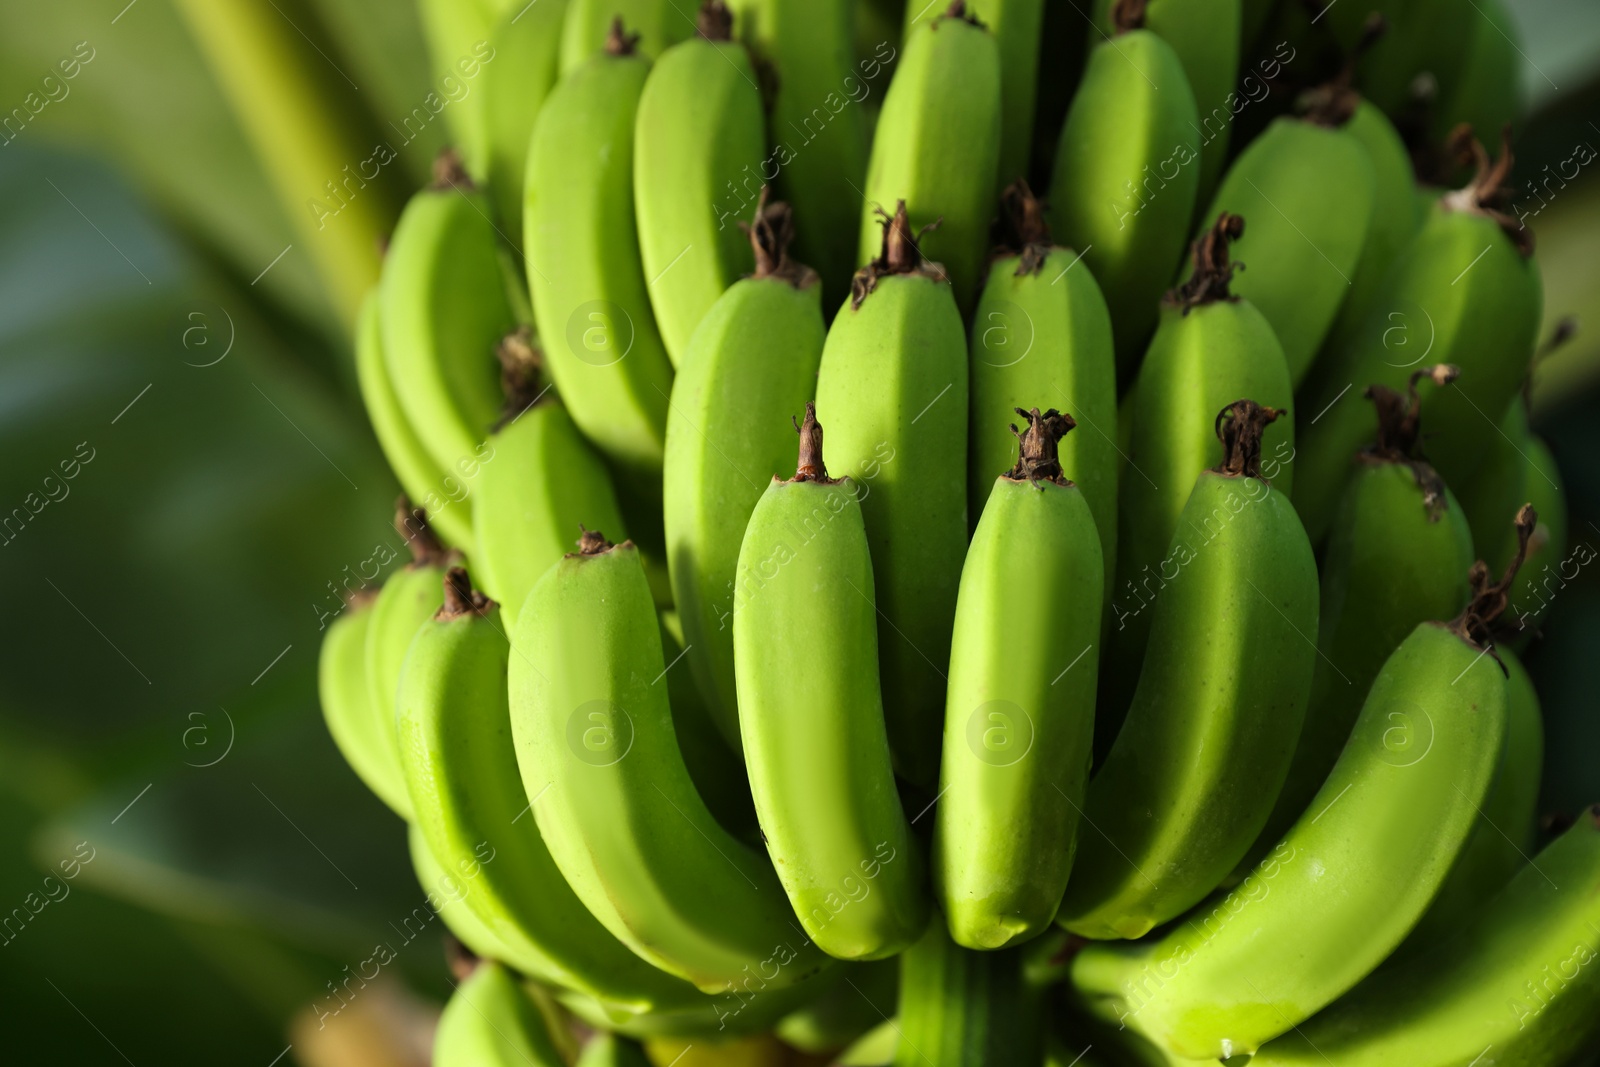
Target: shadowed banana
490 1021
348 709
959 1007
447 895
527 55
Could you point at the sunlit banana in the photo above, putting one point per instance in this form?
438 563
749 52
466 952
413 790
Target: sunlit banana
447 895
805 640
752 365
613 800
458 35
893 388
514 85
1019 719
937 147
960 1007
362 737
490 1021
659 24
1223 686
609 1050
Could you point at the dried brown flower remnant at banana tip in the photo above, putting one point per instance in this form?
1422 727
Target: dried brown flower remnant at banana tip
811 467
714 21
1213 270
771 232
899 255
957 10
619 42
1038 447
461 960
1475 624
1489 192
1128 15
593 543
460 598
1400 433
1021 229
412 524
450 173
521 367
1334 102
1240 427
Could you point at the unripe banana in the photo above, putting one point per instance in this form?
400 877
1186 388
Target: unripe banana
699 127
959 1007
583 261
1515 986
1223 686
844 1013
715 766
1462 293
527 55
806 648
937 148
491 1022
598 753
659 25
753 363
444 307
747 1008
1351 878
1127 176
876 1048
1484 88
1019 719
1042 333
458 31
461 772
609 1050
447 895
347 707
893 385
1500 486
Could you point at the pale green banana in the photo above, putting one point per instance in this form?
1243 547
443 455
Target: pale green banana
658 25
514 86
1019 718
361 736
588 284
893 385
751 366
738 1011
609 1050
937 148
447 895
490 1021
599 756
461 771
1515 986
805 644
875 1048
959 1007
699 128
1223 687
458 34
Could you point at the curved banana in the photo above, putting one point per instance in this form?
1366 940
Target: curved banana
805 643
937 148
715 766
1484 88
1464 293
1019 719
461 772
1500 486
347 707
1041 333
447 896
527 55
1127 176
609 1050
1514 986
458 33
588 283
444 307
960 1007
700 127
742 1009
752 364
1351 878
893 385
658 25
598 753
491 1022
1223 686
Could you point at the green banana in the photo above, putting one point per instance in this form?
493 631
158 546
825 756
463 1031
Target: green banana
876 1048
491 1022
457 33
1464 293
1484 88
937 147
462 775
527 56
1016 25
699 126
844 1013
609 1050
1042 332
1019 720
1513 987
658 25
752 364
959 1007
1500 486
1127 177
817 125
1254 16
1351 878
597 750
740 1010
444 309
1398 555
805 644
347 704
893 384
1223 686
714 765
588 284
445 497
447 896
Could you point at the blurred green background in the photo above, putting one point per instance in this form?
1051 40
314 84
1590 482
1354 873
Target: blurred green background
175 335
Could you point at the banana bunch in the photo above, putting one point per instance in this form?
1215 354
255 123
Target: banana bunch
1135 677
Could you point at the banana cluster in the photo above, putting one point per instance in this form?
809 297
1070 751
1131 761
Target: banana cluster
1135 664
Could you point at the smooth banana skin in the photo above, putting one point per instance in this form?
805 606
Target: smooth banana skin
751 366
805 641
660 24
959 1007
1348 881
461 771
589 293
1127 177
609 1050
893 386
741 1010
1398 555
937 148
1223 687
516 83
596 746
1019 719
700 126
817 125
491 1022
545 485
460 32
1500 486
714 765
1515 986
875 1048
845 1012
447 895
443 309
1042 335
1463 293
1484 90
348 709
